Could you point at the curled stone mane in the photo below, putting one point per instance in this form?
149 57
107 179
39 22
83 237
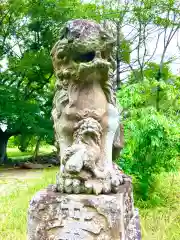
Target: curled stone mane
86 118
92 198
87 45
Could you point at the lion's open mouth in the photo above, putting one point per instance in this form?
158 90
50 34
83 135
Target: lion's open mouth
84 57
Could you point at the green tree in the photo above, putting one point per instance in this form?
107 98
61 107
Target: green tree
26 85
152 137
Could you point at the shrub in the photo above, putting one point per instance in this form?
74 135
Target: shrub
152 142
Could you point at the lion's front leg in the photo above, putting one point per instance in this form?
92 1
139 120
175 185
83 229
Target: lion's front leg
113 125
81 159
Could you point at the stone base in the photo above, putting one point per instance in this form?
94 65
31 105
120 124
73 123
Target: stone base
57 216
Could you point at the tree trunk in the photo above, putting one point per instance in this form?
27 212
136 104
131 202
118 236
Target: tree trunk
158 90
36 151
117 56
3 146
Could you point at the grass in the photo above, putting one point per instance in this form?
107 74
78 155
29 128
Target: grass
15 153
13 207
160 217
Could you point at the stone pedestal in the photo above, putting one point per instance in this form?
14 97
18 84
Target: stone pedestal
56 216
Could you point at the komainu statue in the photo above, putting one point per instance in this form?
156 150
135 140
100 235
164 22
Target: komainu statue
86 118
92 199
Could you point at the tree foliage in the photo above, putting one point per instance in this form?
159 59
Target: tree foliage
149 91
26 83
152 137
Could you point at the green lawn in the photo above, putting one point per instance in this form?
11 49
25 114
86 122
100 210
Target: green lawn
15 153
158 223
162 222
13 207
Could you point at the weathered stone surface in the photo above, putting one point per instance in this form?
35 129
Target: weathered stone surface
133 229
89 136
58 216
85 114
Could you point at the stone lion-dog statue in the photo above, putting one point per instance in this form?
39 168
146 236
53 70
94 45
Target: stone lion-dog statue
86 117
